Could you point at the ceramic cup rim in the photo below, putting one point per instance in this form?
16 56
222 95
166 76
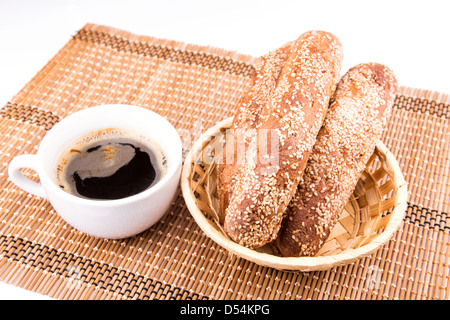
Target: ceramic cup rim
175 154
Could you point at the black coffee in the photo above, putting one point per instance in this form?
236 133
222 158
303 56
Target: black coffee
110 164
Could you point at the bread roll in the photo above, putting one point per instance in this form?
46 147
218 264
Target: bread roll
294 113
354 122
264 79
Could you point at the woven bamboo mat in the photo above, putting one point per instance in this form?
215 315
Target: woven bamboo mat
195 87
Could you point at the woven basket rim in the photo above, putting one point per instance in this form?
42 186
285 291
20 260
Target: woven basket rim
295 263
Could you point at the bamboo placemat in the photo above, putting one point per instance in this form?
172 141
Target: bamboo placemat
195 87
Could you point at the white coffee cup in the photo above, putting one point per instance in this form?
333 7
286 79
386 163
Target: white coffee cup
112 219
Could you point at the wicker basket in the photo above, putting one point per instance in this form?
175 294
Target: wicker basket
370 218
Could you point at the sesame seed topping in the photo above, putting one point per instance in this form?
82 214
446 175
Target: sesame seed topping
353 124
289 95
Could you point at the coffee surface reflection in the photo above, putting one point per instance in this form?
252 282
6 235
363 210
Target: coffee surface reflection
110 164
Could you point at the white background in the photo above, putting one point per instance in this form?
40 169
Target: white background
411 37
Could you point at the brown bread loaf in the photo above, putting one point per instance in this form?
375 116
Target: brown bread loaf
354 122
266 71
293 113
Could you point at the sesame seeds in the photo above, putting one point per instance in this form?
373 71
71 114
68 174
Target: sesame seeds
266 73
344 144
294 105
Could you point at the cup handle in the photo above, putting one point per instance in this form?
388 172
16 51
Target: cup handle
26 161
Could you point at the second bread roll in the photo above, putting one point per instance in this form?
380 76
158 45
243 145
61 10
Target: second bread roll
355 120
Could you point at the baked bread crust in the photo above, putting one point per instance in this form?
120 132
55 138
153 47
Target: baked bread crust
357 114
294 111
264 80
